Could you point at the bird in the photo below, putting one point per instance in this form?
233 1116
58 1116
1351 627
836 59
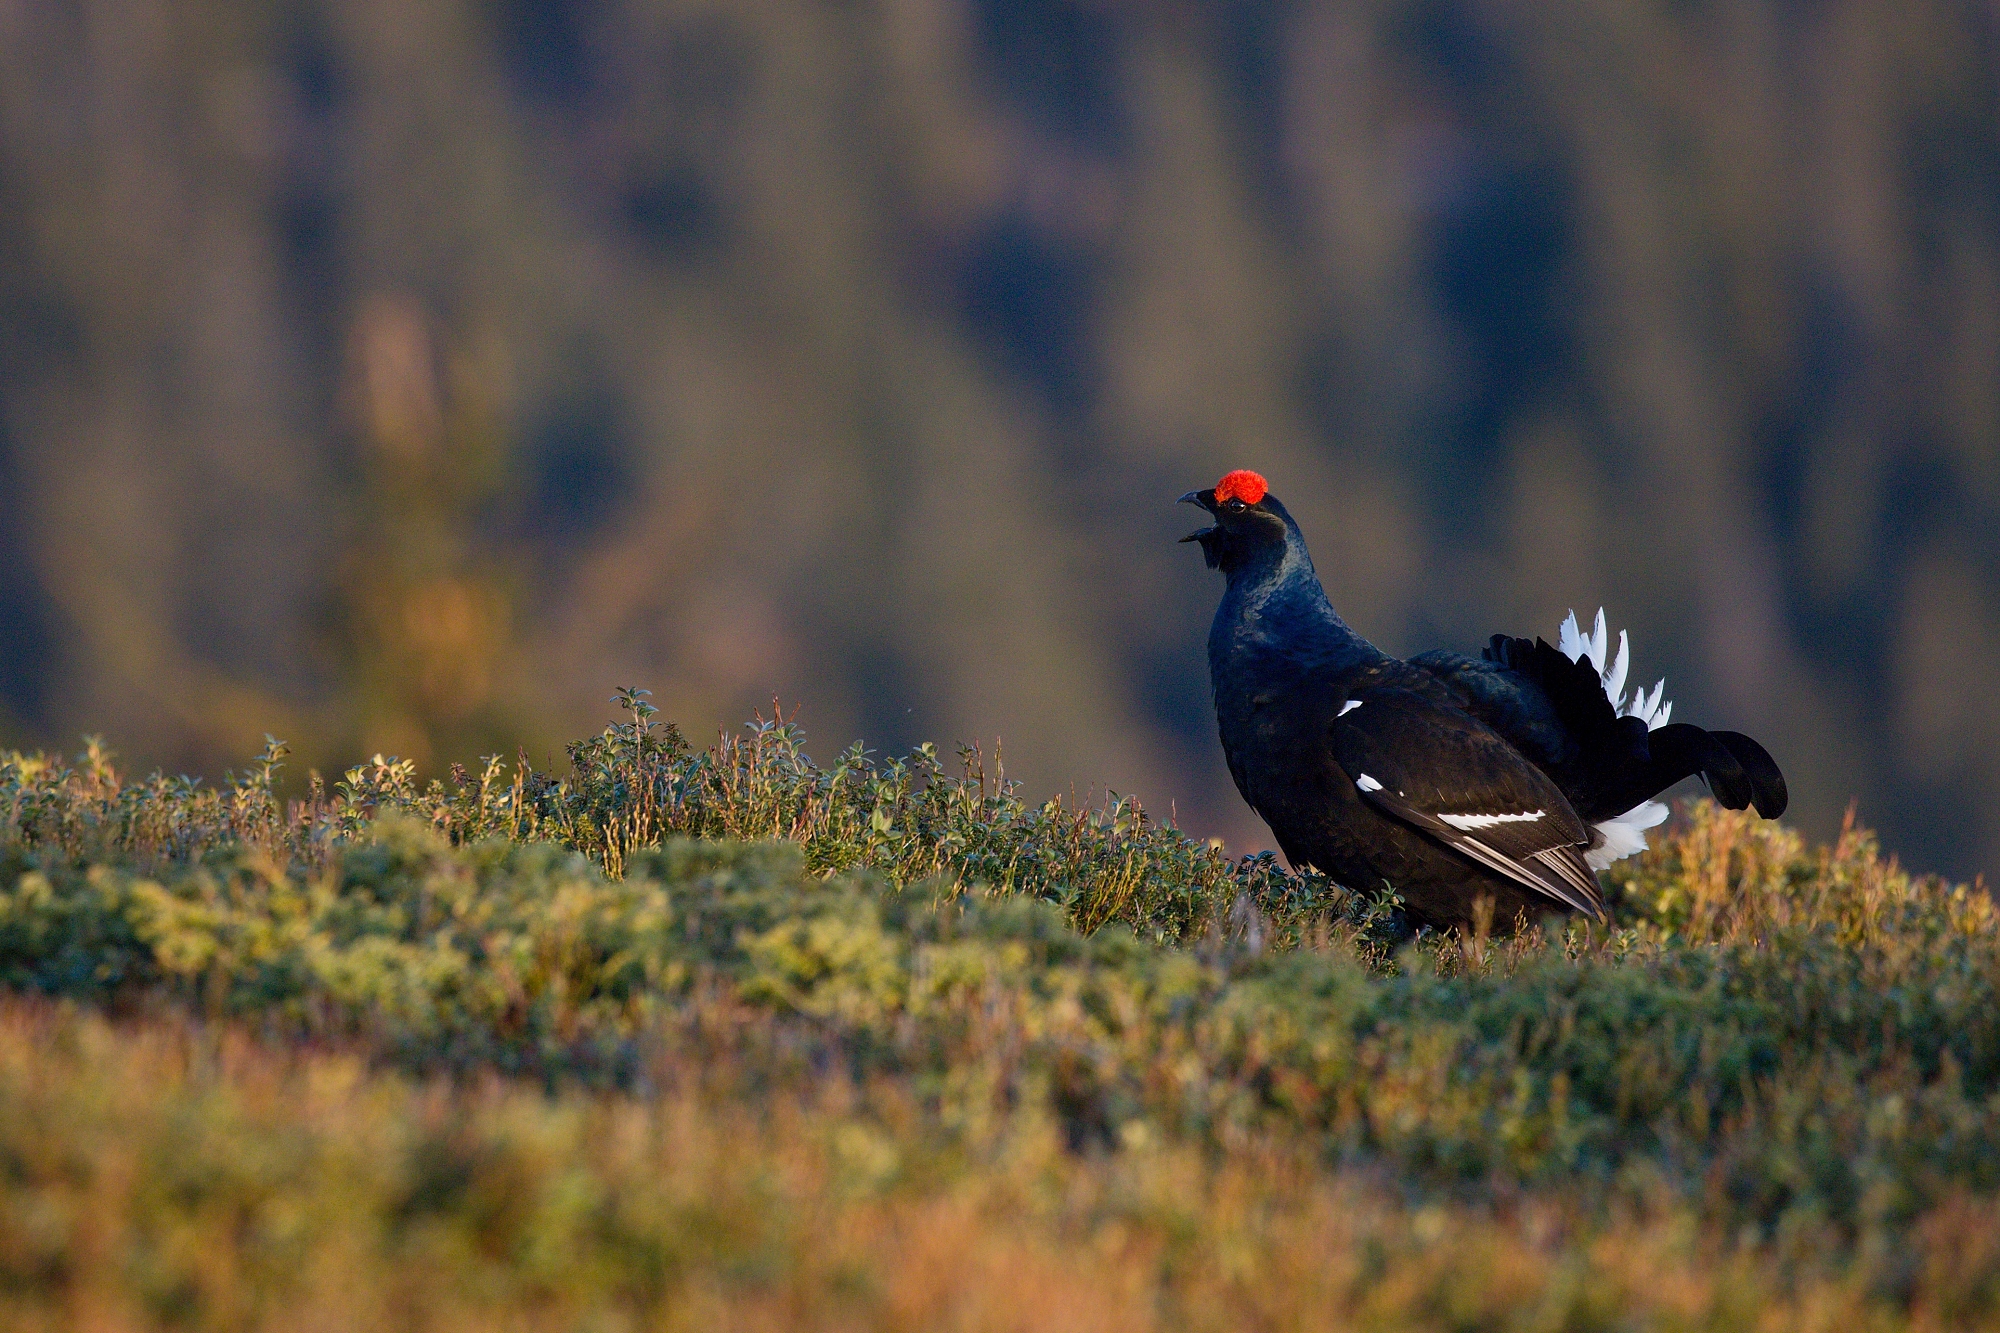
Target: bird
1511 777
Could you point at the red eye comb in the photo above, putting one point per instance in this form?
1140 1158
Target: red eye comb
1241 484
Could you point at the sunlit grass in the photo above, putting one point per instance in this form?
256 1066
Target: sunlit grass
728 1039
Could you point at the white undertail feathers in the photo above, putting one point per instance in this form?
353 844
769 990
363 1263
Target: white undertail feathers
1653 711
1625 834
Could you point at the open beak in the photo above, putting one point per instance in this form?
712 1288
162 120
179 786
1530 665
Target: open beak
1204 499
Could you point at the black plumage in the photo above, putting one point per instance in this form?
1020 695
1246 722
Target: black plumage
1448 778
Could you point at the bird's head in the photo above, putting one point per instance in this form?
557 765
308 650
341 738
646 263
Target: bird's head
1250 524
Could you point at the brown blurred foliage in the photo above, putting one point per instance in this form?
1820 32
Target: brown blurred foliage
405 376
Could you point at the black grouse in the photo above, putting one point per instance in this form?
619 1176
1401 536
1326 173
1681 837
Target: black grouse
1514 776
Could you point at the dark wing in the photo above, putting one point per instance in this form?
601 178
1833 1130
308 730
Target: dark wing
1555 711
1515 703
1443 771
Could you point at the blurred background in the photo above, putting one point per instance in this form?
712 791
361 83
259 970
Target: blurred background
403 375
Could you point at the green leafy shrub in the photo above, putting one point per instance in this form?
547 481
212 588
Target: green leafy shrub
633 787
1794 1052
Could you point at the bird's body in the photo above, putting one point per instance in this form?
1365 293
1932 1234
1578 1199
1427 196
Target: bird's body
1509 777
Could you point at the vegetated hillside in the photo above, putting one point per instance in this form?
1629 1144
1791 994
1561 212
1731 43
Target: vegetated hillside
730 1040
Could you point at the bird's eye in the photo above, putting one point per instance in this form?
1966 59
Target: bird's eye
1237 506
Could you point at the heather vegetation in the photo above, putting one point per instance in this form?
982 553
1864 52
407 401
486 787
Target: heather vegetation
727 1039
391 385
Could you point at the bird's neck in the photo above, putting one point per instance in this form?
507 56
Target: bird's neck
1275 617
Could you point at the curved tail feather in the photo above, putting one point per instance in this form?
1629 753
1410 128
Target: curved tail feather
1767 784
1628 753
1682 750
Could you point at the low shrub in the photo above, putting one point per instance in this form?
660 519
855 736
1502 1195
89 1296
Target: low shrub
1776 1080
